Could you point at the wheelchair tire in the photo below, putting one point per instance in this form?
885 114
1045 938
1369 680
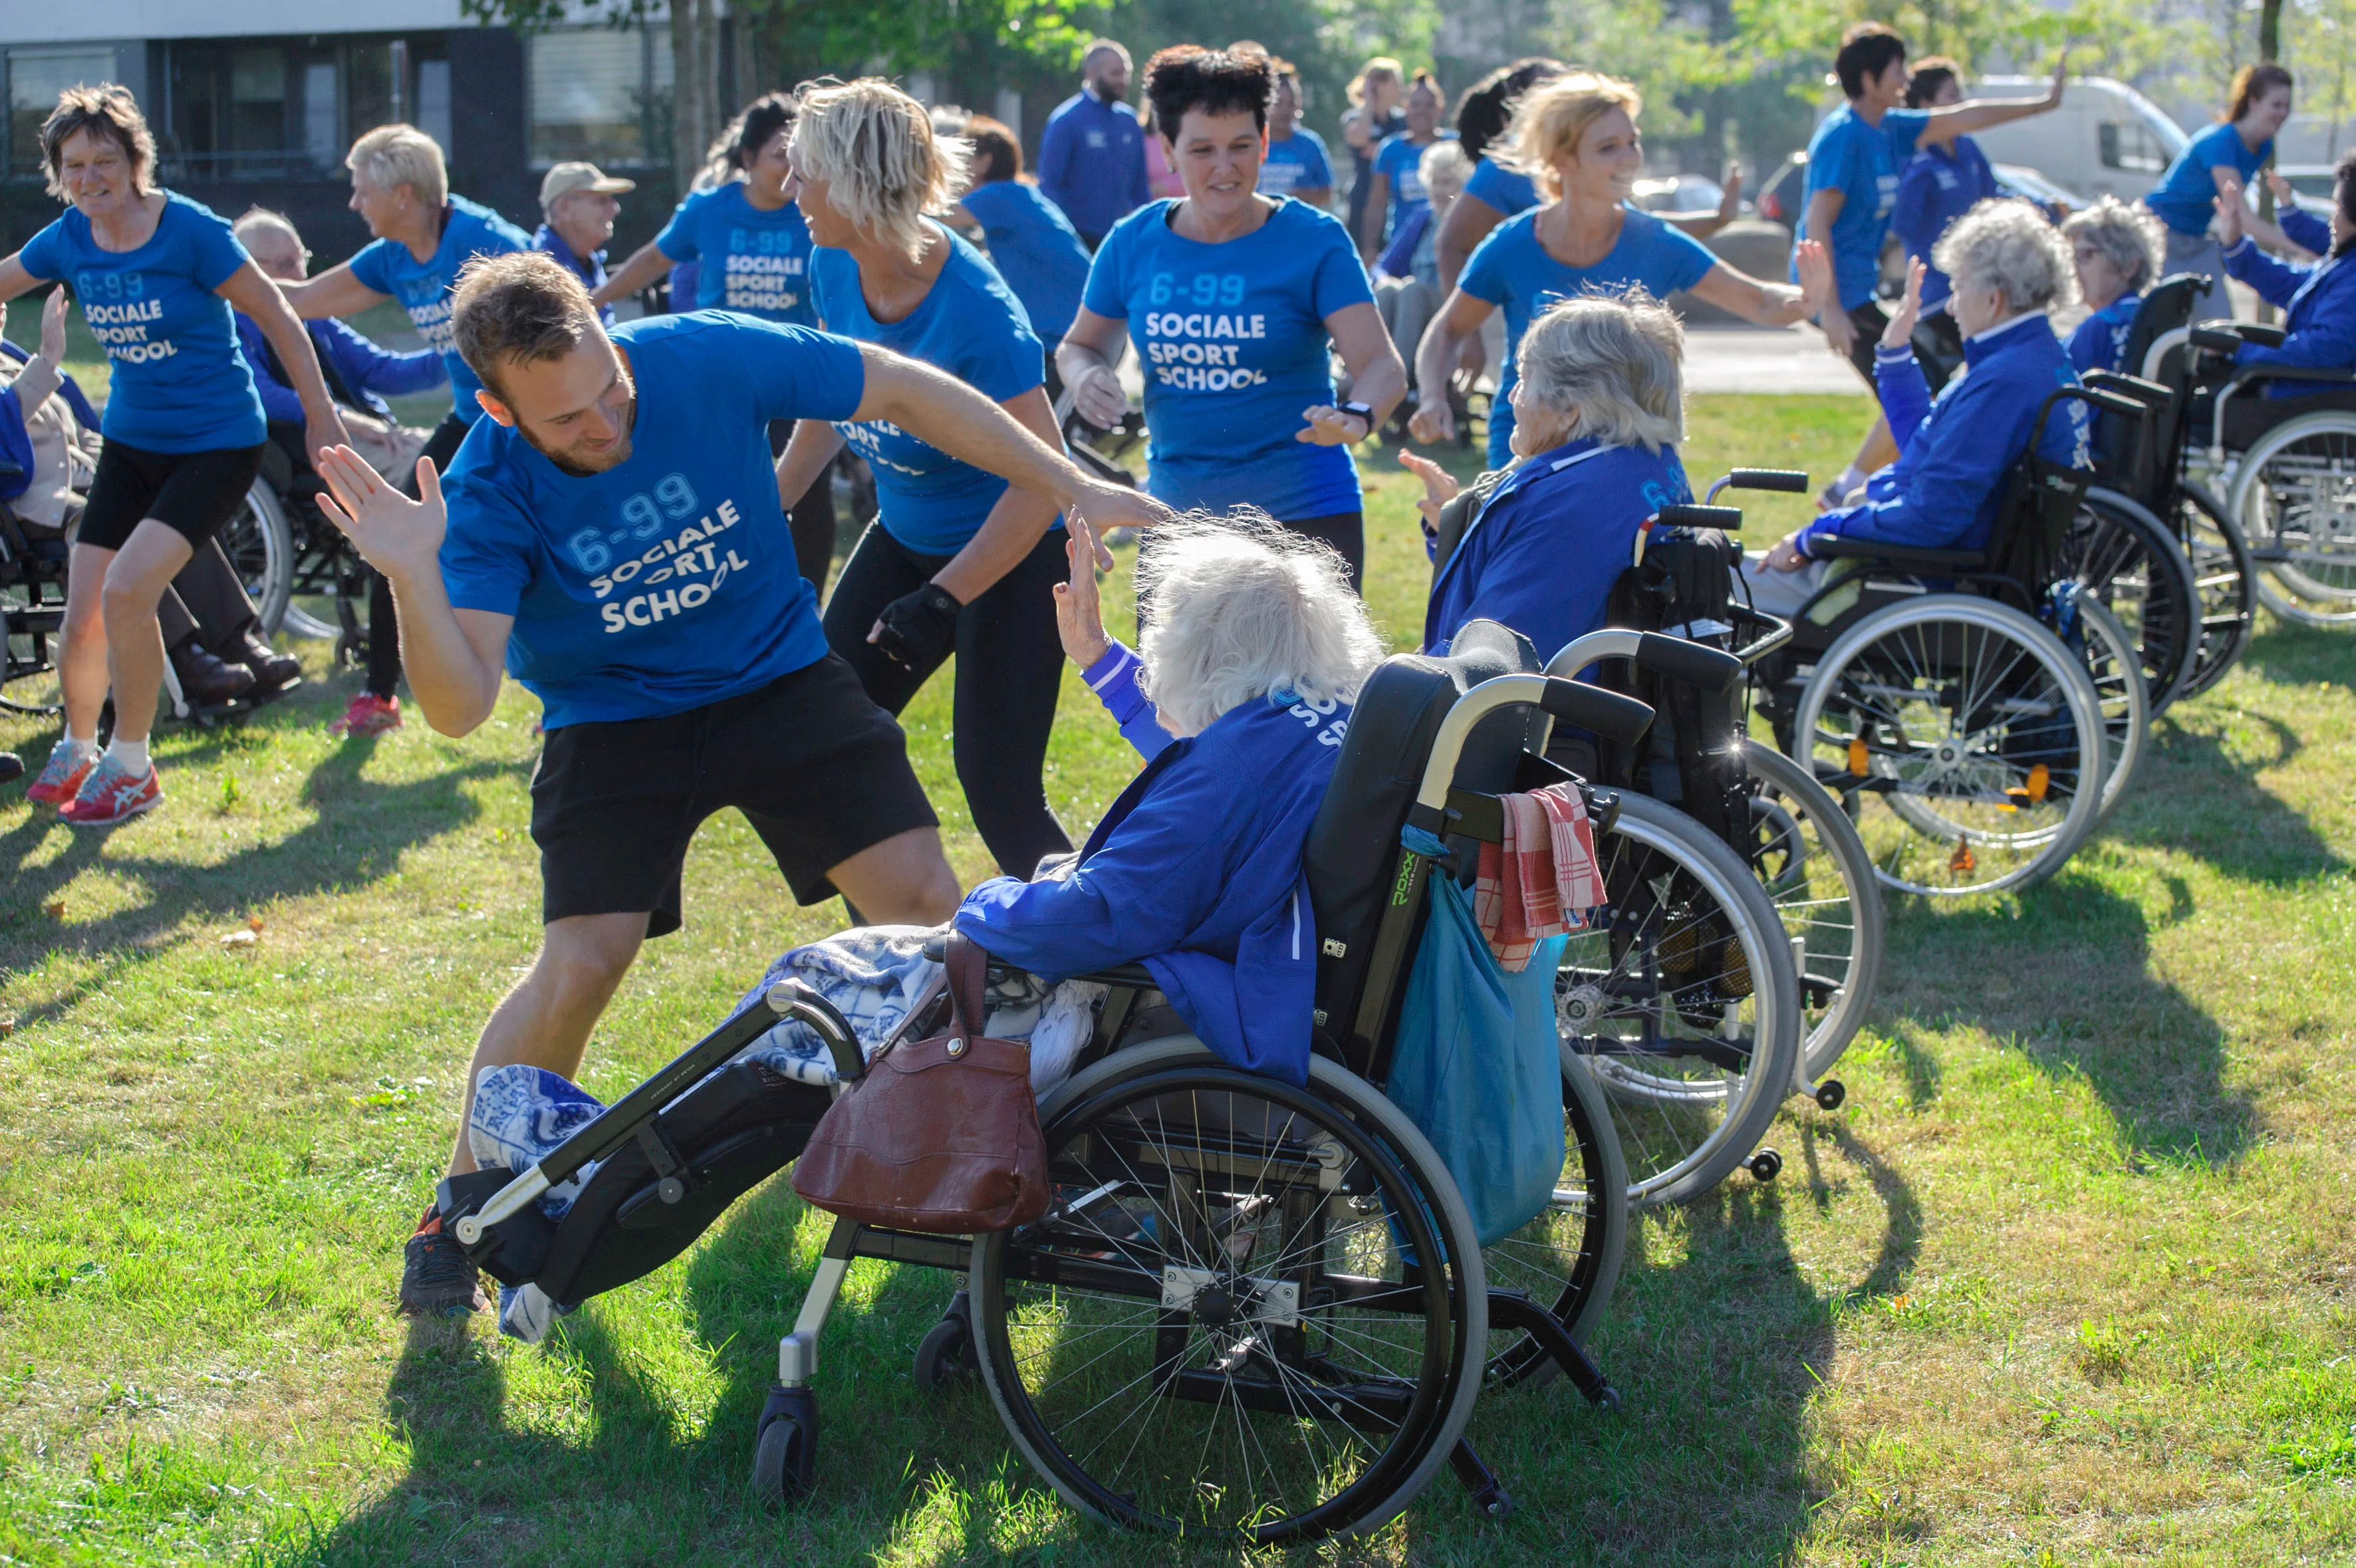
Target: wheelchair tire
2295 496
1977 729
1807 856
2224 577
1336 1426
2137 568
2110 656
1568 1259
1659 1002
261 547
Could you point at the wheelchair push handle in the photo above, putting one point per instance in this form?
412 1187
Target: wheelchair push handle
1608 714
1672 658
1689 515
1790 481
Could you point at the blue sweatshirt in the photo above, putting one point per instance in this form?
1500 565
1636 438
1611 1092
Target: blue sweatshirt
1195 871
1939 186
2100 339
2318 303
1092 162
370 374
1955 455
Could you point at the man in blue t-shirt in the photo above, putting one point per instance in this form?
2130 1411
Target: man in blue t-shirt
1092 153
612 535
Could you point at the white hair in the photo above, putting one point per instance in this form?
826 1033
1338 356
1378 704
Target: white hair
1241 609
2006 244
1616 360
2130 236
393 155
1443 165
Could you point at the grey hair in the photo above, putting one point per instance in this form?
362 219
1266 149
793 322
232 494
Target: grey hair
884 166
392 155
1615 359
2130 236
1242 609
1444 164
2006 244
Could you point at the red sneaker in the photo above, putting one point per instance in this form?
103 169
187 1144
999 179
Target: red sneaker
369 715
61 779
113 794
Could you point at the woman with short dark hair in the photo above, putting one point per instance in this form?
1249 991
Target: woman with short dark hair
159 279
2219 161
1236 301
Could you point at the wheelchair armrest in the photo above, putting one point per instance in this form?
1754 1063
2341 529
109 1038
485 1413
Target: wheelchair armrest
1608 714
1134 976
2262 334
2248 373
1695 664
2151 394
1943 561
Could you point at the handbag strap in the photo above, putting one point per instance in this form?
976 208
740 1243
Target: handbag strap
967 972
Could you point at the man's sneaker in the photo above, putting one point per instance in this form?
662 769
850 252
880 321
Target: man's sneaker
369 715
437 1278
113 794
61 778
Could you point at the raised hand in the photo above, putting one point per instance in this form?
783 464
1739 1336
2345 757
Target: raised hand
53 327
1900 330
400 537
1730 179
2229 213
1079 618
1329 426
1440 486
2061 80
1104 507
1433 420
1815 269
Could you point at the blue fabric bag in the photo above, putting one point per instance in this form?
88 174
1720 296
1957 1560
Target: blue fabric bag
1477 1064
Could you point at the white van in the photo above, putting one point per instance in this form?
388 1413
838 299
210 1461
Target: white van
2106 139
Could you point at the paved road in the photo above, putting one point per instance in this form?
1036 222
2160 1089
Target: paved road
1764 359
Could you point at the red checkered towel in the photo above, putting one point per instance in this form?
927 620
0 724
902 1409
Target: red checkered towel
1543 880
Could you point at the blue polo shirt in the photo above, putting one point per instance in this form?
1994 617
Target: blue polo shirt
1862 162
1092 162
1295 164
1510 191
746 259
2185 197
1034 248
667 583
424 288
179 383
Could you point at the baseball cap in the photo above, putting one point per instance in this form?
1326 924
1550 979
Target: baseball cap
566 179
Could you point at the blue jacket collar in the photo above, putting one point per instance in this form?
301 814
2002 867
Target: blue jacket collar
2019 332
547 239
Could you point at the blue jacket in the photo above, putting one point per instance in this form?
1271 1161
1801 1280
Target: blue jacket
2101 339
589 269
368 374
1542 555
1955 455
1937 188
1092 162
1195 871
2318 303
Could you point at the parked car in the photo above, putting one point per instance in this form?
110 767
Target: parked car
2031 185
1679 193
1780 198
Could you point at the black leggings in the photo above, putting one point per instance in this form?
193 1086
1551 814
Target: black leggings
1010 669
383 627
812 518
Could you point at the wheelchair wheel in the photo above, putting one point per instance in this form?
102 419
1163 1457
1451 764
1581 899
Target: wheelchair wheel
2225 579
1977 730
1568 1259
1685 1006
261 545
1229 1321
2295 497
1805 853
2110 658
2136 567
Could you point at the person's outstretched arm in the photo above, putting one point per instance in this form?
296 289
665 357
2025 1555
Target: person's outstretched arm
1979 114
646 264
250 290
335 292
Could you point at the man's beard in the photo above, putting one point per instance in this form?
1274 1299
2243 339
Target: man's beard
614 455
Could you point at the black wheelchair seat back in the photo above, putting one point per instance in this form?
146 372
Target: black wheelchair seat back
2166 308
1353 851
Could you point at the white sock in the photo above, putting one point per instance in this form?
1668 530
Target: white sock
1849 479
80 748
130 755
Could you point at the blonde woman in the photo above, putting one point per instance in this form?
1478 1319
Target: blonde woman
1375 116
958 561
1575 135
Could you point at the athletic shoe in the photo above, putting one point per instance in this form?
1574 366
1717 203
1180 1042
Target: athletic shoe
437 1278
1832 497
61 778
369 715
113 794
206 679
12 768
273 672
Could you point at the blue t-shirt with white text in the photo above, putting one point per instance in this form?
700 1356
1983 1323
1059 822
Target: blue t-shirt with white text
1037 250
1862 161
1510 191
178 382
1401 159
748 260
968 324
1295 164
667 583
468 230
1512 269
1234 343
2185 197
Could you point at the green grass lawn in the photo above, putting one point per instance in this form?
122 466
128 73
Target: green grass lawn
2068 1280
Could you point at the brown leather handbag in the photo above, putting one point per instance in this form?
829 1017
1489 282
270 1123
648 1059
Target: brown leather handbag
939 1135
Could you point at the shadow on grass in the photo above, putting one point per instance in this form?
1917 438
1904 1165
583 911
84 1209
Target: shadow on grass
2197 792
2293 655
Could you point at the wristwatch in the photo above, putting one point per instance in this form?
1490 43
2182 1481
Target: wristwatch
1364 411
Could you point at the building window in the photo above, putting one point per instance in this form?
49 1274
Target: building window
600 93
272 109
36 77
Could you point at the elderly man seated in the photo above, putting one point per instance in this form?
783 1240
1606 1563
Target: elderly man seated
2010 268
1599 408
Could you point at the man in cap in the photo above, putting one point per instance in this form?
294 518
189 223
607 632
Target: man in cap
578 201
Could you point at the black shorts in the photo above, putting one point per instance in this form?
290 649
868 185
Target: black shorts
191 493
820 771
1868 320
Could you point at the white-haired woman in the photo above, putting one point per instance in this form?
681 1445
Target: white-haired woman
2010 268
424 234
1599 408
1240 702
957 561
2116 249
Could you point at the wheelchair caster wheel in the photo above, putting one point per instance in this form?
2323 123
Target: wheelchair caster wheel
1829 1094
785 1455
1500 1507
946 1353
1764 1165
1608 1400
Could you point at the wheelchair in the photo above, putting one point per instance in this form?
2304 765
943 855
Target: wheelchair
1986 698
1250 1309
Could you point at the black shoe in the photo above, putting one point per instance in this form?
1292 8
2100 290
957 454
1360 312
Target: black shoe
437 1278
208 681
273 672
12 768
